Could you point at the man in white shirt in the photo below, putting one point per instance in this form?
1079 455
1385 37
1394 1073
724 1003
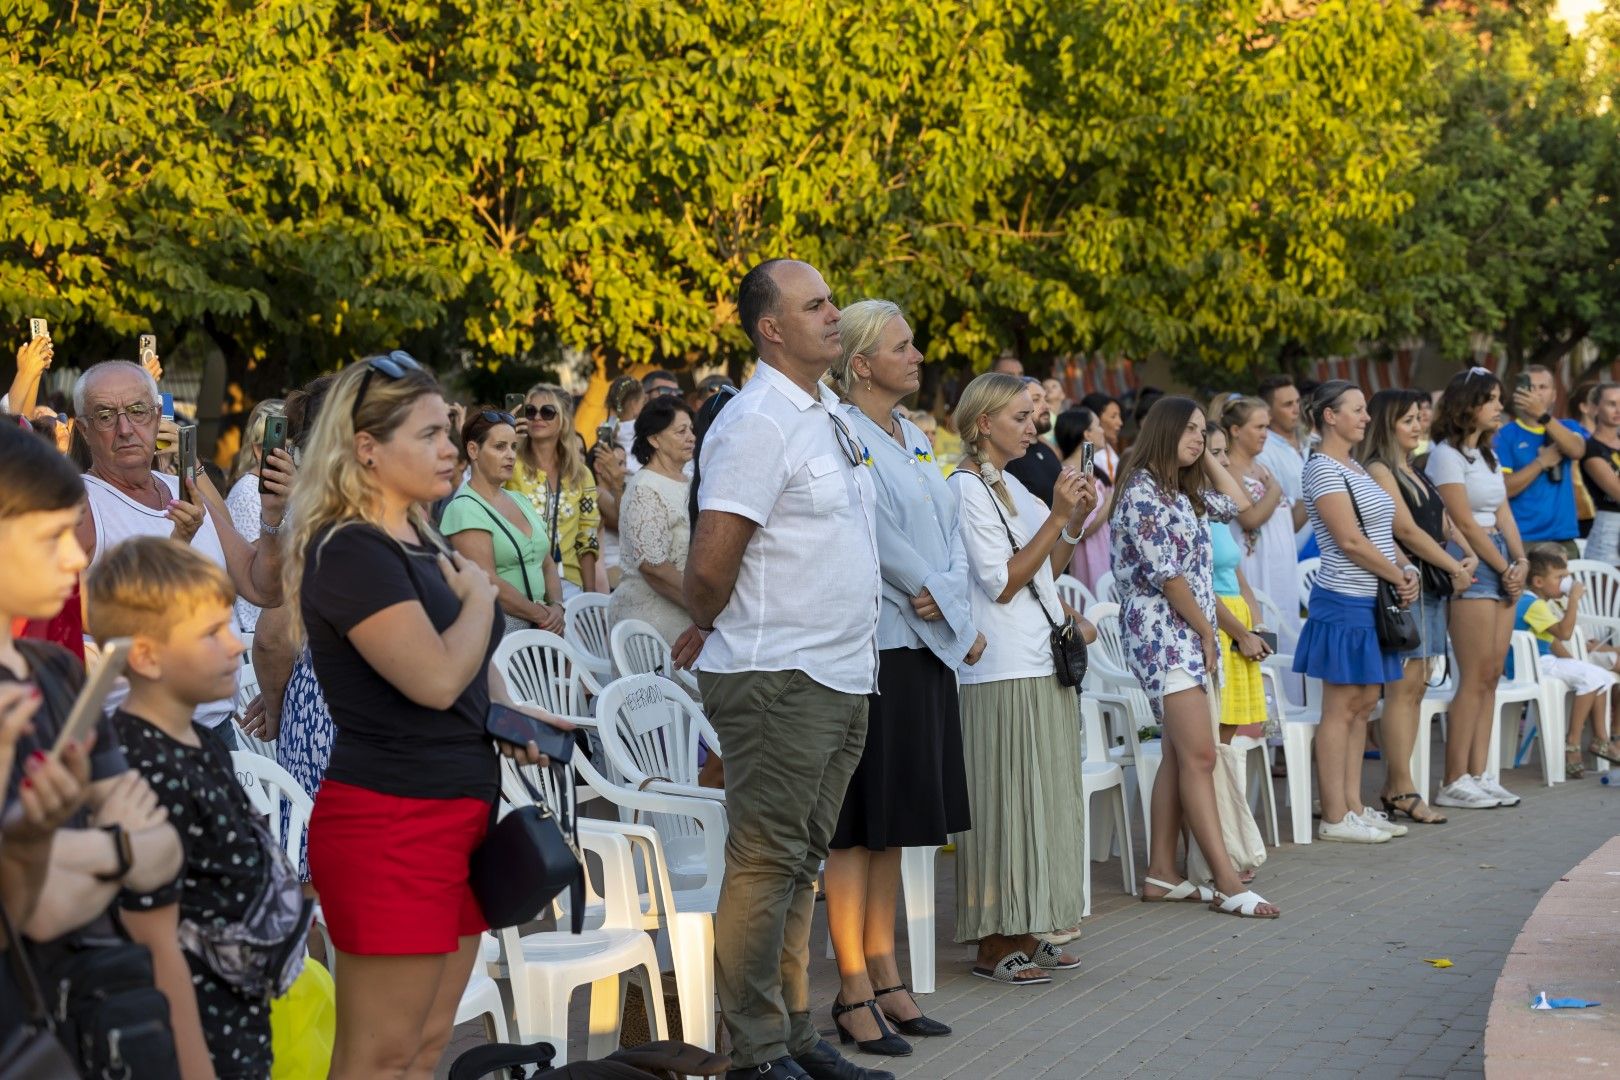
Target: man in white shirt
1284 452
782 583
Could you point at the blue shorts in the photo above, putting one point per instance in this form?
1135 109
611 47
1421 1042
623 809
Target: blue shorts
1487 583
1430 615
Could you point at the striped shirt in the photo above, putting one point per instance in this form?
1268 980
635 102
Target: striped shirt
1325 476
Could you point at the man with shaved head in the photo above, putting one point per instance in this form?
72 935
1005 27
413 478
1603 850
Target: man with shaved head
782 583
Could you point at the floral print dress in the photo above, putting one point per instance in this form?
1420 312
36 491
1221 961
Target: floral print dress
1157 536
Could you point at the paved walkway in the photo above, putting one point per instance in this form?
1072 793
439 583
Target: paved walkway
1336 988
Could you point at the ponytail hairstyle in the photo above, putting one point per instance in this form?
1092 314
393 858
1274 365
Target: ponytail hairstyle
986 395
1156 452
334 488
860 332
1454 417
624 390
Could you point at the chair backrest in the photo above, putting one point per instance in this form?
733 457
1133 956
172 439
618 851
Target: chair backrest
1269 614
585 625
650 730
1308 569
542 669
275 794
1073 591
1093 748
1602 581
1110 648
1107 593
1522 659
638 649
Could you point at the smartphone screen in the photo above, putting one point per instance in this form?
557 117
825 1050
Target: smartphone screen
168 406
514 404
1086 458
187 461
38 329
275 438
87 707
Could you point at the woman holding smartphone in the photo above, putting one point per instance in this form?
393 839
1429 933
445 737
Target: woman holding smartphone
551 474
401 631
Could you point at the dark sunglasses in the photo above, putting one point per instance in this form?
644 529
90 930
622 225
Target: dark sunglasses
664 391
547 413
498 417
392 366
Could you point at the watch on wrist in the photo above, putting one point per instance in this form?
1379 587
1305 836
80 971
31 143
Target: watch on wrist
126 857
1544 419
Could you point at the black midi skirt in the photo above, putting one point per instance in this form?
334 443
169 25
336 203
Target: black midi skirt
910 788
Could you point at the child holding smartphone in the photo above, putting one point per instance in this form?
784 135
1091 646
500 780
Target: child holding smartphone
176 605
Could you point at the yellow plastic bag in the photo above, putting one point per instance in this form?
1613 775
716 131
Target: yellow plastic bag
303 1025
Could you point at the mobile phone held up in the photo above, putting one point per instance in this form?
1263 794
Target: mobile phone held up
607 433
87 707
275 438
517 729
168 406
1087 456
148 348
37 329
186 462
514 405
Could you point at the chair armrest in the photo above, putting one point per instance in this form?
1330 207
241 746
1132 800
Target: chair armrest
688 791
620 898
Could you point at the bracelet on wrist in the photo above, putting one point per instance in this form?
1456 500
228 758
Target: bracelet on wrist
1067 539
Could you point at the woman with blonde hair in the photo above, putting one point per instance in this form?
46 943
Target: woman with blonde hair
1018 870
909 789
243 500
551 474
401 631
1267 528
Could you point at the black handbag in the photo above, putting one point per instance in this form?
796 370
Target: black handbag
1069 657
1397 630
33 1052
526 860
110 1012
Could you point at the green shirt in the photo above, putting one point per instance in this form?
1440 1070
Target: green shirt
514 552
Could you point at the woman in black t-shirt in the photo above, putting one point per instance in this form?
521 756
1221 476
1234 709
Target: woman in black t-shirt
1600 466
401 633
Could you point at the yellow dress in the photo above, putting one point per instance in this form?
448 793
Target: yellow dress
577 517
1243 694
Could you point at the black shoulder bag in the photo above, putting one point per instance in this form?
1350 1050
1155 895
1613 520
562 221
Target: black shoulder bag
1069 659
1397 630
33 1052
526 860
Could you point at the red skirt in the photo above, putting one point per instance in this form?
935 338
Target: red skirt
392 872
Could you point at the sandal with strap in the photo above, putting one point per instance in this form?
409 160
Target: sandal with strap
1185 893
1245 905
1574 767
1600 750
1009 968
887 1043
1393 807
1048 957
918 1027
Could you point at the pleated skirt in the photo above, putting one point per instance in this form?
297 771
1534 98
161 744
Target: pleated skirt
1019 870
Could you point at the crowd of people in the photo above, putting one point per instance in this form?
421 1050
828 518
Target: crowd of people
880 640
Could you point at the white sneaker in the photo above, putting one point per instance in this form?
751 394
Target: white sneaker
1487 783
1464 794
1350 830
1381 821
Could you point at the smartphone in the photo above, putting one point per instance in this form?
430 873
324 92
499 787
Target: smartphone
512 727
514 404
1086 457
607 433
38 329
148 347
187 461
1269 637
168 406
1524 382
87 708
275 438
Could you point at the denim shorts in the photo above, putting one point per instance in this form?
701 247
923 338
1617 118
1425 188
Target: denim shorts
1429 612
1487 582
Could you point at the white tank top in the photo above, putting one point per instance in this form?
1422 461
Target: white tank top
117 518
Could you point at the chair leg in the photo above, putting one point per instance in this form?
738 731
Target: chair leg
691 938
1085 870
1297 757
1493 756
1122 829
607 1009
917 886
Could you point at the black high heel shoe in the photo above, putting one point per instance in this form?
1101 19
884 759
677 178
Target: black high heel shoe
888 1043
918 1027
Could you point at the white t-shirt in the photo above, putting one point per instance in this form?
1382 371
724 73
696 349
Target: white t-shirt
1484 484
1016 635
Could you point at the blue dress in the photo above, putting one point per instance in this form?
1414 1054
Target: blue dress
305 741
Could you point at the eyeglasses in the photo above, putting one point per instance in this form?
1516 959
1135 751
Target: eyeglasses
548 413
664 391
846 442
392 366
498 417
141 414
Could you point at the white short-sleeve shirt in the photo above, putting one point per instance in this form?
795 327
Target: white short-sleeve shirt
1016 634
808 592
1484 484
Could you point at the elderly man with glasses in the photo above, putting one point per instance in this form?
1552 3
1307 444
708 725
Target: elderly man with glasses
118 409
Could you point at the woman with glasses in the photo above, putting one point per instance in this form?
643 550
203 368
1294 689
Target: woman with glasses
551 473
501 533
402 632
243 500
1353 519
1463 466
653 529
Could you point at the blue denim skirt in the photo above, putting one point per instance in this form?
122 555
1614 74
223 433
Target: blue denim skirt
1339 643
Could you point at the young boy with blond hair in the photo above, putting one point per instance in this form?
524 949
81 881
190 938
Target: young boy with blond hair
1548 608
177 606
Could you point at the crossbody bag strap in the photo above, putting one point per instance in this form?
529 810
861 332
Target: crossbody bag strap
523 564
23 972
1030 584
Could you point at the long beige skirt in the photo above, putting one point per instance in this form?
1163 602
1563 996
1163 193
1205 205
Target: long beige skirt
1018 870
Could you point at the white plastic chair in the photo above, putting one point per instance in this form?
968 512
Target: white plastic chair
1106 592
638 649
1600 604
1527 688
275 794
482 999
1308 569
247 688
1257 759
1436 704
1072 591
1111 827
542 669
585 625
1298 721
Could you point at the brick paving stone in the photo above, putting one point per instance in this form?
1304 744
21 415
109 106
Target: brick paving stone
1336 986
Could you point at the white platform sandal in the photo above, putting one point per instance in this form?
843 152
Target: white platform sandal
1185 893
1245 905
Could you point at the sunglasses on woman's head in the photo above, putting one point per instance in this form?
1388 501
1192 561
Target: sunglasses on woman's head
498 417
547 413
392 366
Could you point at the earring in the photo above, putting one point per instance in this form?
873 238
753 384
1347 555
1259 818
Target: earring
868 385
